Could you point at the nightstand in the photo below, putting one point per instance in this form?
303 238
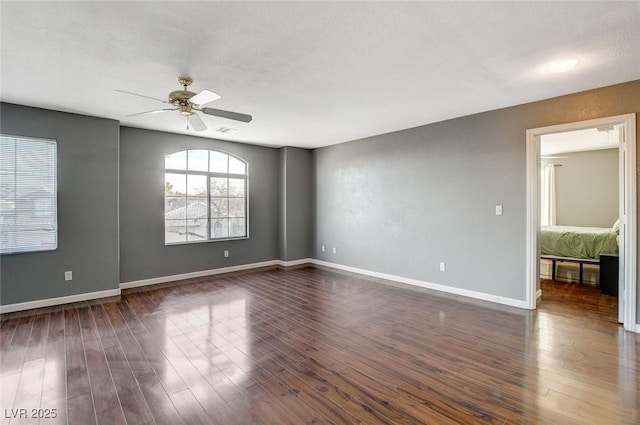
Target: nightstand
609 274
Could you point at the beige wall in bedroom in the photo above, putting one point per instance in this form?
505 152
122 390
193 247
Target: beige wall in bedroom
587 188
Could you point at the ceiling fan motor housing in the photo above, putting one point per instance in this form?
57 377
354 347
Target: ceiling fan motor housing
180 98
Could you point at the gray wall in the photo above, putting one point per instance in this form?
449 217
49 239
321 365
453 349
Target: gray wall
143 254
397 203
400 203
87 208
296 214
587 188
282 203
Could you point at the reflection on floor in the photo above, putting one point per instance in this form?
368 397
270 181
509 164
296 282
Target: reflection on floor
566 293
584 301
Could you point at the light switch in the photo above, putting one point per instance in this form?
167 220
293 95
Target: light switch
498 209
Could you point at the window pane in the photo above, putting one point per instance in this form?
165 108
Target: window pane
198 160
175 184
7 155
196 185
176 161
219 186
237 227
32 186
172 203
197 229
236 187
220 228
34 158
175 231
219 207
236 207
218 162
196 208
236 166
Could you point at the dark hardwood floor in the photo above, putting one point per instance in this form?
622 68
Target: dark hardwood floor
311 346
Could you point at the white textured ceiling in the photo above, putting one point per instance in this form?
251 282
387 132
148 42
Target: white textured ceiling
311 73
591 139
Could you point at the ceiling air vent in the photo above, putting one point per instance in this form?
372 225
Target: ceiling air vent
226 129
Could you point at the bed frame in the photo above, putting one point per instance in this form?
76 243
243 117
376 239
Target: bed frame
555 259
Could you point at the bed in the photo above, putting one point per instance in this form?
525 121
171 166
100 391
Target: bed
582 245
578 242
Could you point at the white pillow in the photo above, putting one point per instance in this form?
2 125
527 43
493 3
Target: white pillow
616 226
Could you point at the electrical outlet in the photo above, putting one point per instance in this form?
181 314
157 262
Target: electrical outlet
334 250
226 253
443 267
68 275
323 248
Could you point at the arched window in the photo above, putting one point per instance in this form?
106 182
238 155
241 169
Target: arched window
205 197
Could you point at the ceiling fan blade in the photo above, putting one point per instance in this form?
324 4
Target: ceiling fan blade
204 97
152 112
196 122
141 95
227 114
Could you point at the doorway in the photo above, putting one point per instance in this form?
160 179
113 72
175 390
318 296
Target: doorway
625 124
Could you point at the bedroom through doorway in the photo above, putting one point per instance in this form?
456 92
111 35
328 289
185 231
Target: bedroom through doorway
579 220
581 217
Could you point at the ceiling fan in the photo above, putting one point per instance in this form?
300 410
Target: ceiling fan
188 103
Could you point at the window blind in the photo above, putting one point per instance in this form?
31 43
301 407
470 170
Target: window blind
28 195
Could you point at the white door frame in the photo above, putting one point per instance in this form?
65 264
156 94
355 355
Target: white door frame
628 218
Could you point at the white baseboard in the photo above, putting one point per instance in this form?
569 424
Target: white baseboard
442 288
164 279
202 273
295 262
10 308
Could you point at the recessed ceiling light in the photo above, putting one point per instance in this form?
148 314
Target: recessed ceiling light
562 65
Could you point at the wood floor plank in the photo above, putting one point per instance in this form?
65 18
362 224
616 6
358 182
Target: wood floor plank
16 351
38 339
103 389
189 408
76 365
55 399
134 405
112 416
291 400
54 385
7 330
10 385
81 410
